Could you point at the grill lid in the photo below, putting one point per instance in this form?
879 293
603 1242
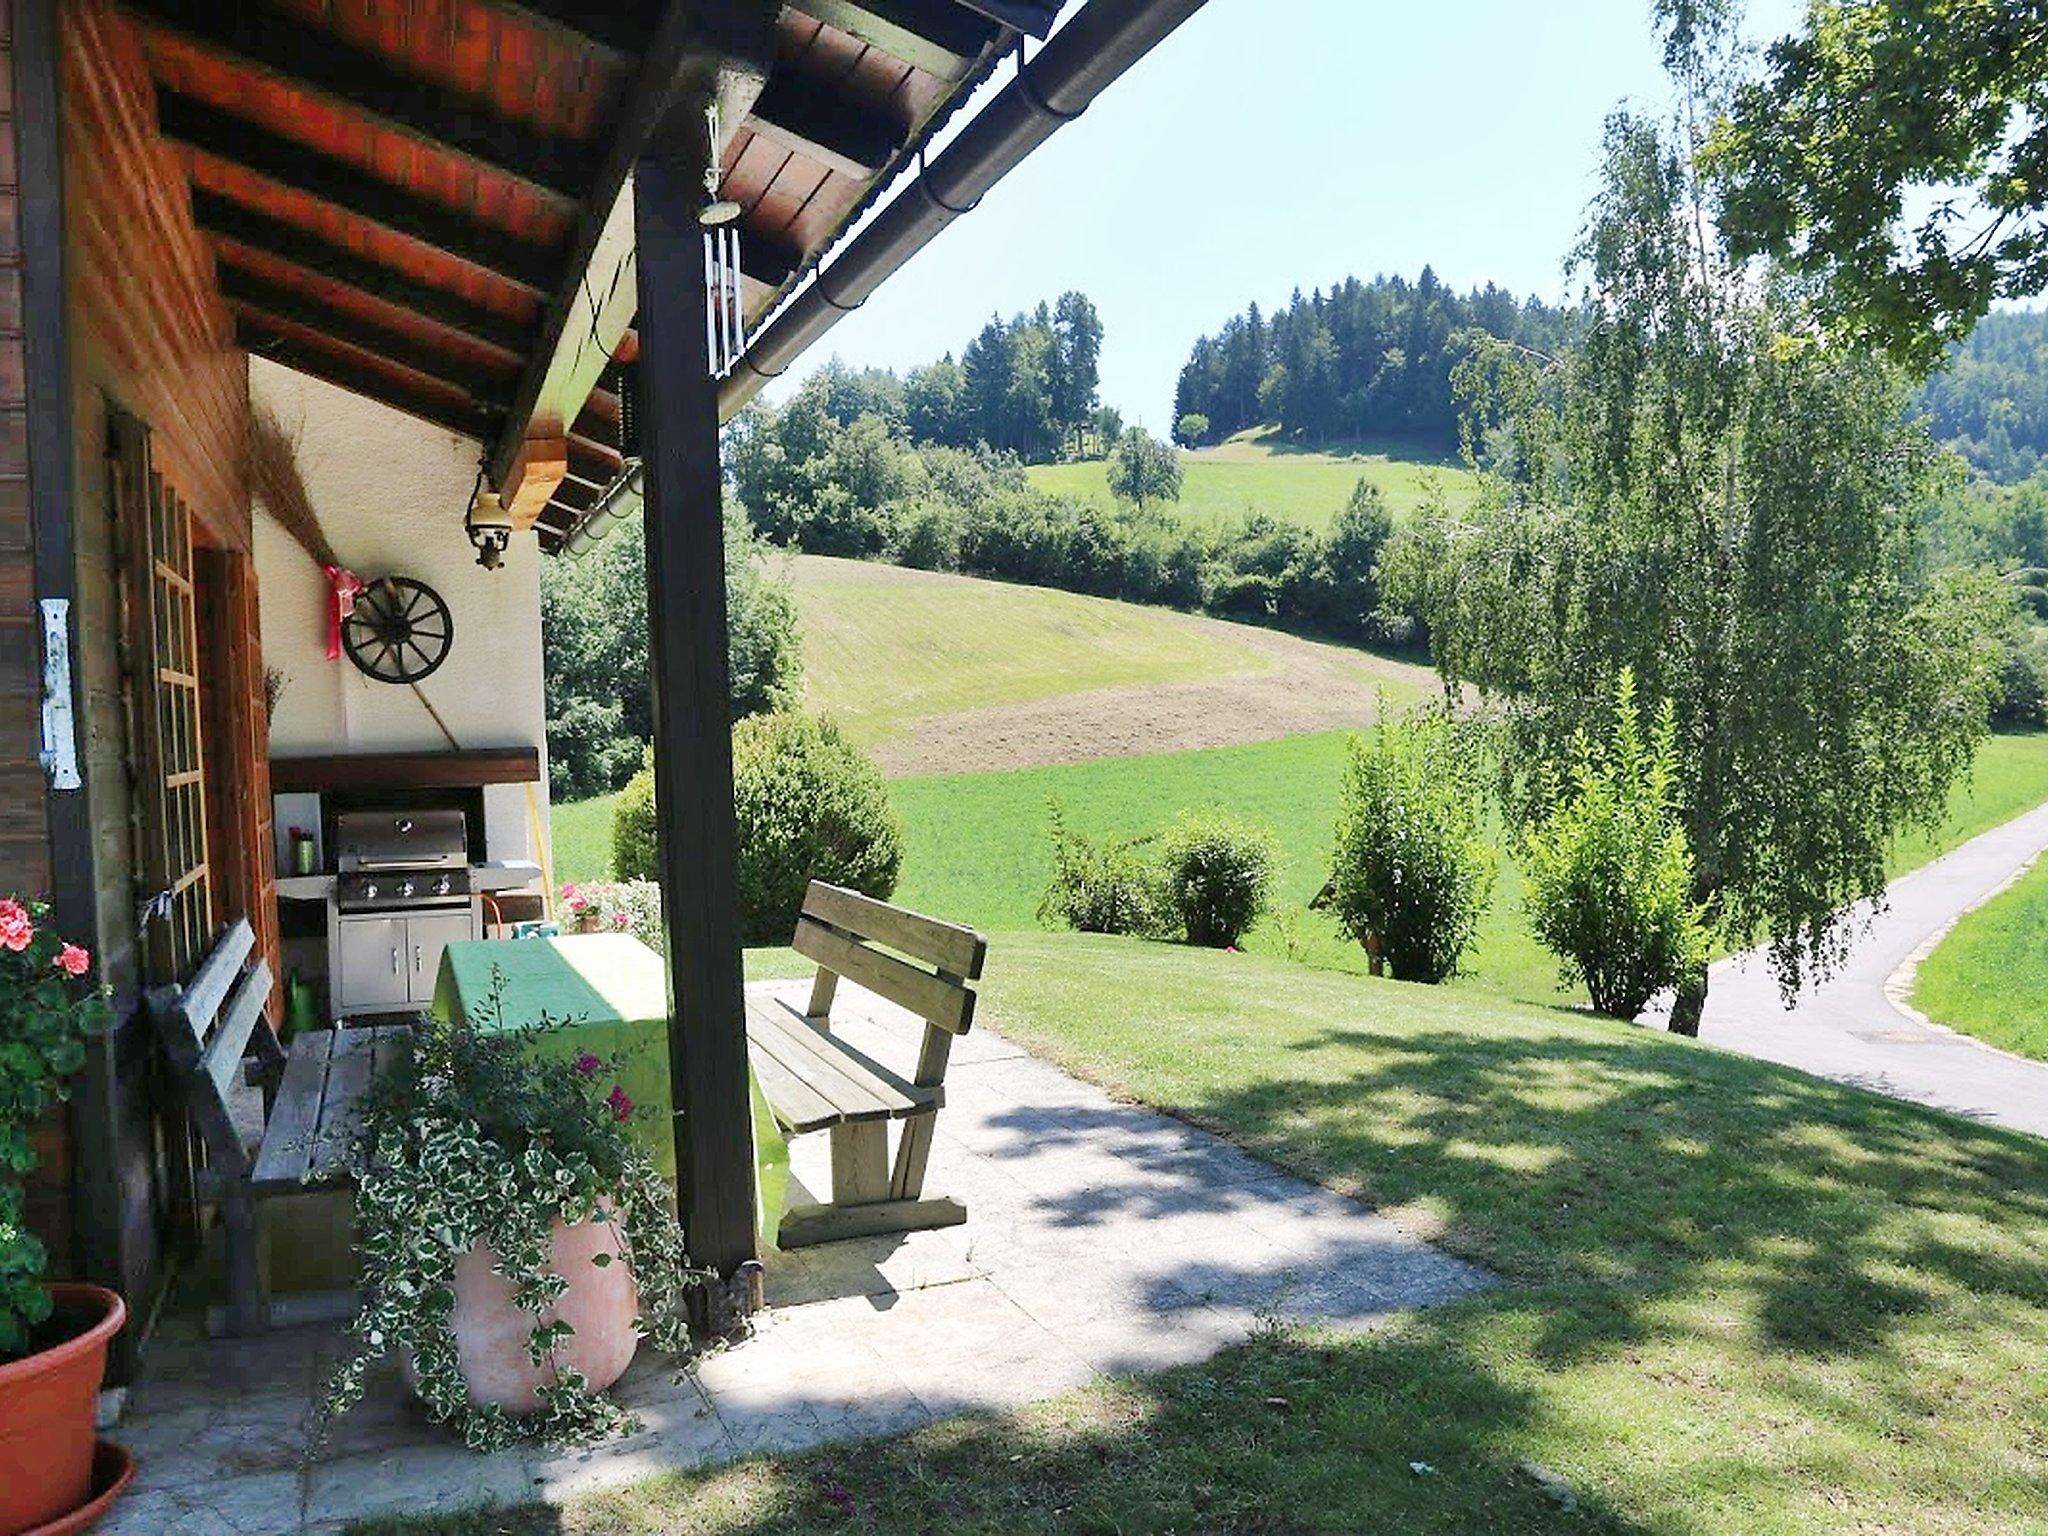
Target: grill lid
436 839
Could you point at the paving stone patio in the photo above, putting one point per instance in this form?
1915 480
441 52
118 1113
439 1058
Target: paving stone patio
1102 1238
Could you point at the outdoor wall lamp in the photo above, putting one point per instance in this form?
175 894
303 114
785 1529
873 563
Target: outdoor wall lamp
489 527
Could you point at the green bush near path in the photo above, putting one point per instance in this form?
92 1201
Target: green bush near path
1989 977
1740 1301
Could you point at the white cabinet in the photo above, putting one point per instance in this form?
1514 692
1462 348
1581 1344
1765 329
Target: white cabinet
373 965
387 964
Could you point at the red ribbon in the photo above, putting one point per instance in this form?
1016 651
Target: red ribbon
344 587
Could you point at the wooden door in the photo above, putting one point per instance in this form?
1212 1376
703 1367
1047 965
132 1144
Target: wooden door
165 709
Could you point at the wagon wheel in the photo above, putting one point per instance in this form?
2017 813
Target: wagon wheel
400 631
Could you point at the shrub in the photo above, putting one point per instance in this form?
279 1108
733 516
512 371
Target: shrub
1412 872
925 534
634 855
1218 875
1192 430
618 906
1610 871
810 806
2023 679
1105 886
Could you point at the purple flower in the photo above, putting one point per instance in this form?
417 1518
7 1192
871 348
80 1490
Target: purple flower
587 1064
622 1107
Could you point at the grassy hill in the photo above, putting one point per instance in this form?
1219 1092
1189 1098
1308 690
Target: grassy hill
1252 473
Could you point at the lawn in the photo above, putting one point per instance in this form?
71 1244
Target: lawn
1989 977
976 849
1249 475
1739 1299
884 645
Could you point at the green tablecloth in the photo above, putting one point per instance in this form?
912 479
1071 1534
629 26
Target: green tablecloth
609 994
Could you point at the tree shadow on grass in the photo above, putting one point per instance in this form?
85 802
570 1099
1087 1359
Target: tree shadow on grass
1283 1436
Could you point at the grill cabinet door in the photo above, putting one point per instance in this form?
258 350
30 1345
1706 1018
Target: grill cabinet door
427 934
375 964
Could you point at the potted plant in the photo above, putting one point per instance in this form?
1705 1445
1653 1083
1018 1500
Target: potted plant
53 1337
515 1243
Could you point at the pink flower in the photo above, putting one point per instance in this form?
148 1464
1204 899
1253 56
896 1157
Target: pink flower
621 920
587 1063
622 1107
15 928
73 960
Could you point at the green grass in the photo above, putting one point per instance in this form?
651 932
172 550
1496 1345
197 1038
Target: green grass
976 849
884 646
1739 1300
1989 977
1247 474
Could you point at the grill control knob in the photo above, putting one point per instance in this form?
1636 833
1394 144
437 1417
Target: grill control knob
369 890
405 890
442 885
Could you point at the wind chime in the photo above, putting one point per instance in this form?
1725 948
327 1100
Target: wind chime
725 325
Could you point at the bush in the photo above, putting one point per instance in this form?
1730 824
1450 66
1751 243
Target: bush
809 805
1217 874
1101 887
2023 679
1610 871
1192 430
1412 872
634 854
925 534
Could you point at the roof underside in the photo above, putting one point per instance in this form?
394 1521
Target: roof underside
403 195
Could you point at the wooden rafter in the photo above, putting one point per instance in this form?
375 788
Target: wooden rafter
265 340
357 82
694 50
248 292
937 36
341 185
229 221
806 116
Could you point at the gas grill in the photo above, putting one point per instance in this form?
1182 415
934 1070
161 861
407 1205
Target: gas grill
397 861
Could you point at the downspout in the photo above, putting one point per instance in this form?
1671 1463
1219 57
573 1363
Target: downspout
1091 52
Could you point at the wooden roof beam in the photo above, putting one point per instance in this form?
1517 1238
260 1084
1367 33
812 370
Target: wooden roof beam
809 117
357 82
937 36
264 340
697 53
246 291
342 185
227 220
1033 16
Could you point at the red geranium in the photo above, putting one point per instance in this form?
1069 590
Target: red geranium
16 930
73 960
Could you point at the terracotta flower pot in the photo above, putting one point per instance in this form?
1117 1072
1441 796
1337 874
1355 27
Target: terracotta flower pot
491 1329
47 1408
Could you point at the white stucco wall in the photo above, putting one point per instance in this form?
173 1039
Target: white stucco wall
390 492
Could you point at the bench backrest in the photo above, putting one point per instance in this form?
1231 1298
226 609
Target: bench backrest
887 950
205 1027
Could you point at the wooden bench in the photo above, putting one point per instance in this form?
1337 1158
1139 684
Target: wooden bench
208 1028
815 1081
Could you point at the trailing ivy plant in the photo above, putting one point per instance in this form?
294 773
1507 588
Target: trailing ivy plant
47 1010
490 1136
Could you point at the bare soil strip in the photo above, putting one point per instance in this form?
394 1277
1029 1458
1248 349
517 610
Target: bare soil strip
1305 687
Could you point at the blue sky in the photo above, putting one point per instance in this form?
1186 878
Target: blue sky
1270 144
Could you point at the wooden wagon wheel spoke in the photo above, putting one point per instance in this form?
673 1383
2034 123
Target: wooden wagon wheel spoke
401 631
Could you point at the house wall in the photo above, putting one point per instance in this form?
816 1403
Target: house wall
390 492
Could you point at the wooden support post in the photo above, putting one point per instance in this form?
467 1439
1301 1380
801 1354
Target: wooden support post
692 735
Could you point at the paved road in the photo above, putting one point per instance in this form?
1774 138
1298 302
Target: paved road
1850 1030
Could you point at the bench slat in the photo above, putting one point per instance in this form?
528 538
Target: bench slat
852 1099
295 1118
949 946
932 998
348 1073
202 996
814 1080
796 1104
242 1018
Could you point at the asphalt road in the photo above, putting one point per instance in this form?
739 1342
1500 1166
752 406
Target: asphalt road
1850 1030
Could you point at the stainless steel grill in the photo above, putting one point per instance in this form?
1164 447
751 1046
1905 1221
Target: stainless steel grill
401 859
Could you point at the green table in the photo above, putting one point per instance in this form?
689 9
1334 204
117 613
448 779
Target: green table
608 992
